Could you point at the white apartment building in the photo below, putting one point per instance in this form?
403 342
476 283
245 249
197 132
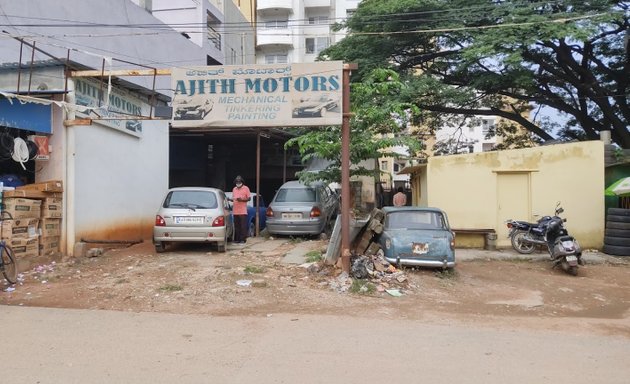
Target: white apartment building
469 137
296 31
219 27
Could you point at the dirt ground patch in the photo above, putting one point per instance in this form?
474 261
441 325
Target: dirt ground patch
190 279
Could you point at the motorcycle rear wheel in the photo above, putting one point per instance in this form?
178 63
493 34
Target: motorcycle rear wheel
570 269
519 245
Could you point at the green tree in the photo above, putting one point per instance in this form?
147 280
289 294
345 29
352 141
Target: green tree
377 125
503 58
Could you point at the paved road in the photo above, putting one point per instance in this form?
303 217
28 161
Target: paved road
42 345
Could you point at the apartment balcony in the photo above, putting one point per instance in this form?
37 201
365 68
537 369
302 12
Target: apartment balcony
274 36
270 5
316 3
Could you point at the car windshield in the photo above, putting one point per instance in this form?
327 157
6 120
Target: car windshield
298 195
415 220
191 200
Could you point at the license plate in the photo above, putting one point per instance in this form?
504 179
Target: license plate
571 259
419 248
291 215
188 219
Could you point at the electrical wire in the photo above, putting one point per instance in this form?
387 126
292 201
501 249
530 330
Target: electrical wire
451 15
357 33
511 6
21 152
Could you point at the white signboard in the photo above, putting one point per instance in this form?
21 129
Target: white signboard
117 112
274 95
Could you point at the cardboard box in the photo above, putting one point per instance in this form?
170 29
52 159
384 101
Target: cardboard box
20 208
19 228
50 227
49 245
52 207
31 194
27 247
45 186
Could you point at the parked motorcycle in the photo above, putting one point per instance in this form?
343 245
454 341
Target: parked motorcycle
564 250
525 236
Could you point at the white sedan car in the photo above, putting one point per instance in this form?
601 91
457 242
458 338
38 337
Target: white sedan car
193 214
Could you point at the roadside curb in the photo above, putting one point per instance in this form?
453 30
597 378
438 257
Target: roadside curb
589 257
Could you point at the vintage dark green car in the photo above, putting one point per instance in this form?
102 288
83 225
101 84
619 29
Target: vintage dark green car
417 236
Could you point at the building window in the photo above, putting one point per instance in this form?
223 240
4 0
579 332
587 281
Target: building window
384 165
318 20
487 125
213 25
397 167
276 59
277 24
486 147
350 13
314 45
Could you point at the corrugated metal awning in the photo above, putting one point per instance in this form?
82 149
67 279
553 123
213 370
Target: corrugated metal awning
412 169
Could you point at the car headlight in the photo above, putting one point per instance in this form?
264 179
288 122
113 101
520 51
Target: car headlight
388 243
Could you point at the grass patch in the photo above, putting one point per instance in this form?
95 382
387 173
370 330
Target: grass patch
313 256
295 240
259 284
446 274
520 259
254 269
171 288
362 287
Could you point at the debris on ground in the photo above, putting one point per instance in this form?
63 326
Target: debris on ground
94 252
379 271
372 269
394 292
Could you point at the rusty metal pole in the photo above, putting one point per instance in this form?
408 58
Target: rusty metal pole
284 165
345 170
20 67
30 73
257 202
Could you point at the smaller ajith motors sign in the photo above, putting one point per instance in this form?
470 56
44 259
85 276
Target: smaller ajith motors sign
271 95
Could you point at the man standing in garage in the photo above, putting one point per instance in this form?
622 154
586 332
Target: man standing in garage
240 197
400 199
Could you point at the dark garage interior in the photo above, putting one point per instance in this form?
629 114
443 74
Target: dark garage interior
214 159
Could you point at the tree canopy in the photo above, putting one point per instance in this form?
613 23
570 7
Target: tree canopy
502 58
376 128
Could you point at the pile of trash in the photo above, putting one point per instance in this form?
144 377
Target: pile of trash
365 270
379 271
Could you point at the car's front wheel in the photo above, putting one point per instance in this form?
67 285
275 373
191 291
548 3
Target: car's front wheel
322 112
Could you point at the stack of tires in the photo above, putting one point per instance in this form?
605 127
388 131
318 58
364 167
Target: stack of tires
617 237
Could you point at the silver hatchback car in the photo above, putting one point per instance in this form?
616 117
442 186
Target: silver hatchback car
193 214
298 209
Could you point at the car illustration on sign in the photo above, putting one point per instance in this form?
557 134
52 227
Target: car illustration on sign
316 106
134 125
194 108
